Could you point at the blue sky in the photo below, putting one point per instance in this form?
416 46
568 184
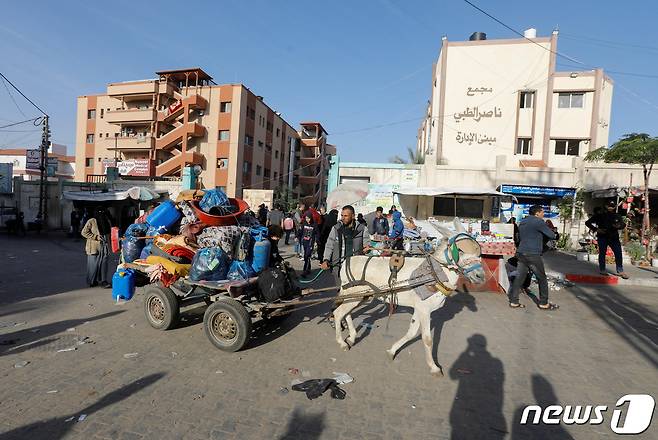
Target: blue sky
361 68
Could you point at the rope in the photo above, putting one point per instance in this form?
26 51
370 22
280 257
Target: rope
320 271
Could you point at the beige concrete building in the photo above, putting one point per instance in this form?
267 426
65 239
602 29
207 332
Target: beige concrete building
156 127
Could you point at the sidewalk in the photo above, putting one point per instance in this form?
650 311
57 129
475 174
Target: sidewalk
565 265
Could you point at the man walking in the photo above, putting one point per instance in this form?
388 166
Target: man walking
380 223
532 230
275 216
606 224
298 218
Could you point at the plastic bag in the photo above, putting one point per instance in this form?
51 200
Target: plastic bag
214 198
242 246
240 270
137 230
222 236
131 248
210 264
146 251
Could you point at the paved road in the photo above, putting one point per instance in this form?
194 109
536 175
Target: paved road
600 345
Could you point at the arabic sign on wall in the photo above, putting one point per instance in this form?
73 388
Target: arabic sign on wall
537 190
477 114
131 167
32 159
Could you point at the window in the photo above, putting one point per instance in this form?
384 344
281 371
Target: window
102 112
248 140
224 135
469 208
276 154
270 127
100 135
567 147
91 114
260 144
225 107
89 162
246 167
251 113
266 172
526 99
570 100
222 163
258 170
278 132
90 138
523 146
268 147
275 175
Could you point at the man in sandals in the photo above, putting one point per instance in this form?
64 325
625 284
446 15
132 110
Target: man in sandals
532 230
606 224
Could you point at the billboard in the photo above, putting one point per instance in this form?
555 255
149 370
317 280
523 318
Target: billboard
32 159
131 167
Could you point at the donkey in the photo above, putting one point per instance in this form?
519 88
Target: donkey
455 254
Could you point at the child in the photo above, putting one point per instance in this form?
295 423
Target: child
308 235
274 234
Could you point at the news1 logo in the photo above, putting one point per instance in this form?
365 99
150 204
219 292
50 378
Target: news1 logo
637 418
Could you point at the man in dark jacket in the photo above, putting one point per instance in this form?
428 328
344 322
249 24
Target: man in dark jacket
346 238
532 230
607 224
380 223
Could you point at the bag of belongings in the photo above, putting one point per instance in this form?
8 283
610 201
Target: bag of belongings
240 270
210 264
220 236
216 202
274 283
132 245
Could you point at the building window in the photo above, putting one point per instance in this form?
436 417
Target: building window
258 170
278 132
248 140
527 100
102 112
270 127
523 146
225 107
463 208
91 114
222 163
89 162
251 113
246 167
275 175
260 144
570 100
100 135
266 172
90 138
276 154
567 147
268 148
224 135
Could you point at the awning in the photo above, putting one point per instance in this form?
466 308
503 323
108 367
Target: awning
450 191
135 193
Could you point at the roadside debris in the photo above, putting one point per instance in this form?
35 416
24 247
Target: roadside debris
130 355
219 372
63 350
283 390
52 392
174 354
314 388
293 371
21 364
342 378
71 329
198 396
82 417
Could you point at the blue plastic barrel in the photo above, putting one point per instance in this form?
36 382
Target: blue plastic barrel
261 256
164 216
123 284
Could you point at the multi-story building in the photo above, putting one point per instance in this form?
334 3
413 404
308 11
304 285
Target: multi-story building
157 127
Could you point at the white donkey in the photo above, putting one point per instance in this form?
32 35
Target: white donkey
457 253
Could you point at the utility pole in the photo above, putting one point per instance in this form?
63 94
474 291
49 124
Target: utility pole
43 168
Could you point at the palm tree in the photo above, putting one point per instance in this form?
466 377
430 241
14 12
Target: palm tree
414 158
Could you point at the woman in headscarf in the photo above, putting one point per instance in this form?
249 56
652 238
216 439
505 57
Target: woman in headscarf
97 233
329 222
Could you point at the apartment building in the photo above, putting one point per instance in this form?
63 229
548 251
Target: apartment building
156 127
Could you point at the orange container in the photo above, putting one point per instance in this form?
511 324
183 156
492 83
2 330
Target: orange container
220 220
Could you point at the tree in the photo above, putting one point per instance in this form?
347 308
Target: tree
285 197
566 206
414 158
637 149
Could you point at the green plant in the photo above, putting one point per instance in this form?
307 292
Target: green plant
566 206
564 242
285 197
414 157
639 149
635 250
592 249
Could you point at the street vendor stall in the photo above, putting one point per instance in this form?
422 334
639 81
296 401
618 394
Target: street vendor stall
476 208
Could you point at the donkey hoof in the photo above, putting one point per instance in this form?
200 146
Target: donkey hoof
437 373
350 340
345 347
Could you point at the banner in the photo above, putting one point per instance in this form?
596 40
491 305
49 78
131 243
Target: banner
131 167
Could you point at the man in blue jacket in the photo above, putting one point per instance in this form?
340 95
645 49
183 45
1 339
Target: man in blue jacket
532 230
396 232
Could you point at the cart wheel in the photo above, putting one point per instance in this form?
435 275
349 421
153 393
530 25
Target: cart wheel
227 324
161 308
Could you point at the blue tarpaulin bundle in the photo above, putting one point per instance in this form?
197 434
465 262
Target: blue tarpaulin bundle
210 264
216 202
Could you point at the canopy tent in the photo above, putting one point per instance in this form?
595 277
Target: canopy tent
608 191
135 193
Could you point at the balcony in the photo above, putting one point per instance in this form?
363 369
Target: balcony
133 88
308 161
310 142
175 110
309 180
130 115
130 142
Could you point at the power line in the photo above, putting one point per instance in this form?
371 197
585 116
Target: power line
22 122
4 83
607 43
23 94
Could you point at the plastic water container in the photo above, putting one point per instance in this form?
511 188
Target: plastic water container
123 284
164 216
261 256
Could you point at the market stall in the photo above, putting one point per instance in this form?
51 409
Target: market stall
477 210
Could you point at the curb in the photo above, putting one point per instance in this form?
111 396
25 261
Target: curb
611 280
